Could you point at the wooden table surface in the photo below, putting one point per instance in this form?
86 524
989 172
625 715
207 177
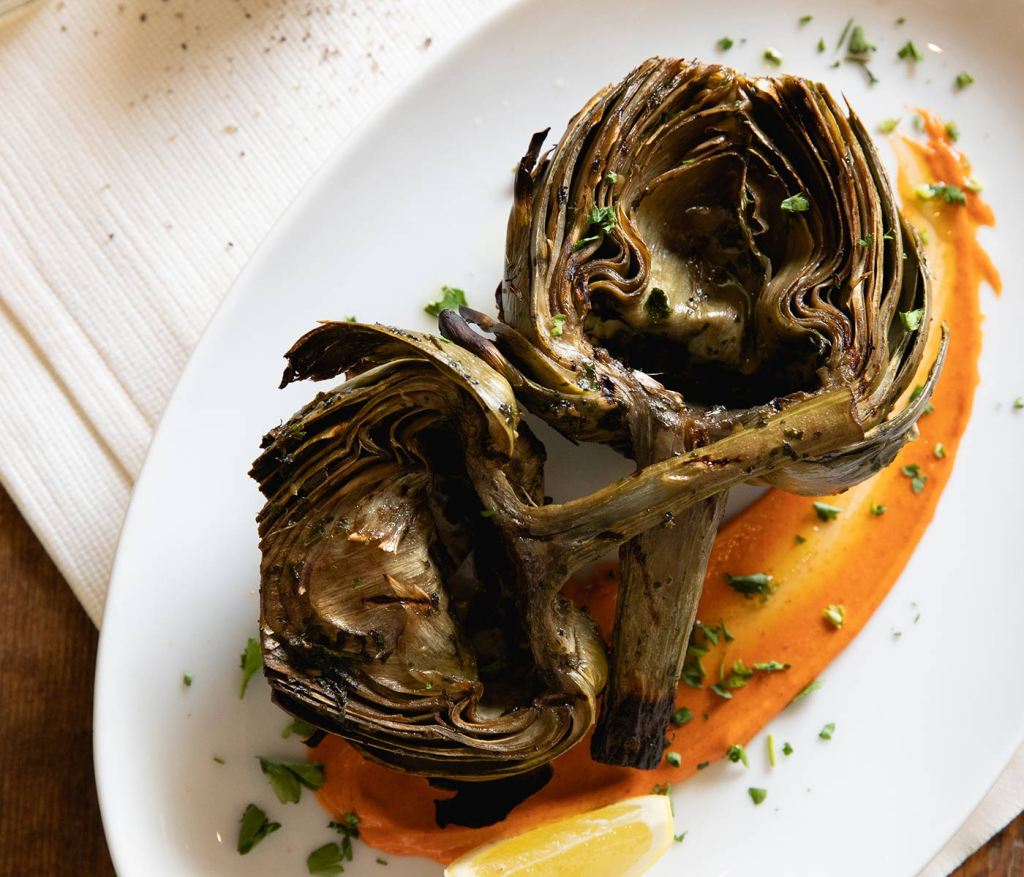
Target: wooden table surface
49 816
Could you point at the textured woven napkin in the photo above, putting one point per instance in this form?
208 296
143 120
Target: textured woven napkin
146 148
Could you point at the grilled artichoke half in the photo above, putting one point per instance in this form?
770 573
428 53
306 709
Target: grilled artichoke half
411 574
698 251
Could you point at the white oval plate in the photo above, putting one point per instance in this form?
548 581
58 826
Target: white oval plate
420 198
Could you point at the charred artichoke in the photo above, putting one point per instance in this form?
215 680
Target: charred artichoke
699 251
411 574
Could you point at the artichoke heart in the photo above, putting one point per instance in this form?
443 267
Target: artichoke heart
714 250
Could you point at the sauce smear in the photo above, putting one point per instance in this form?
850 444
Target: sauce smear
851 561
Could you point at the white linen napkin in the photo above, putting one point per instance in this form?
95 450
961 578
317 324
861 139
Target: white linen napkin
146 148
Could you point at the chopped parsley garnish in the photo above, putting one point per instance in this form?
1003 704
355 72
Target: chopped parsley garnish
325 861
952 131
910 52
757 795
821 45
679 838
348 828
674 759
877 509
867 240
826 512
771 750
186 680
720 689
703 765
770 666
251 661
656 305
218 759
972 185
612 177
859 44
901 20
662 789
557 324
772 56
787 749
835 614
681 716
255 826
963 79
288 778
887 126
797 203
1018 403
827 732
724 44
451 299
939 451
845 31
302 729
911 320
917 480
351 318
758 583
740 675
604 218
582 242
381 861
736 753
487 513
814 686
799 540
805 19
950 194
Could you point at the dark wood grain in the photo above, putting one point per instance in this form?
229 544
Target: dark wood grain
49 816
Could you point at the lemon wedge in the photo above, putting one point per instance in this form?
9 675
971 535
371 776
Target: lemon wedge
621 840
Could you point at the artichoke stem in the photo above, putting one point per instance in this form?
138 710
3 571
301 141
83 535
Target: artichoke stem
661 582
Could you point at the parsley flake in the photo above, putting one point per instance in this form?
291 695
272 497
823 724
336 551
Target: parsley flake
681 716
604 218
612 177
300 728
911 320
288 778
835 614
250 662
939 451
787 749
348 828
325 861
963 79
796 203
724 44
736 754
827 732
812 687
805 19
451 299
826 512
773 57
657 306
186 680
887 126
952 131
770 743
757 583
821 45
557 324
679 838
877 509
910 52
674 759
757 795
859 44
254 828
917 480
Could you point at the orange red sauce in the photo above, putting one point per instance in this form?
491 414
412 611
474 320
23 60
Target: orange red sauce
853 560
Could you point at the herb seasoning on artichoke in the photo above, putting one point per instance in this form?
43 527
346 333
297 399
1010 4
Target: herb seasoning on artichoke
756 260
